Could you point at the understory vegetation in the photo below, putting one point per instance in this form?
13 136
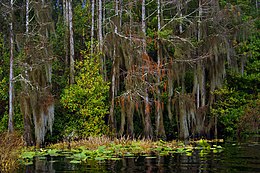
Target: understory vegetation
10 150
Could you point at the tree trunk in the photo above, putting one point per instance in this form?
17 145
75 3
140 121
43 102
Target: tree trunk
143 26
184 132
201 95
160 132
120 13
180 14
27 119
25 99
92 27
116 14
27 18
170 91
123 117
100 38
66 36
100 35
147 120
130 120
11 88
112 106
113 80
72 68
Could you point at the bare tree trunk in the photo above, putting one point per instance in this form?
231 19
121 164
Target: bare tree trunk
100 37
25 103
130 121
27 17
25 100
112 107
170 90
158 116
120 13
198 94
11 88
203 90
180 14
130 20
143 26
113 81
116 13
201 95
147 120
160 132
122 125
199 21
64 9
66 36
72 68
184 132
92 27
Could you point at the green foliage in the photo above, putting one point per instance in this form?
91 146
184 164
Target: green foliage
250 121
165 33
57 38
3 85
86 99
228 109
81 19
236 105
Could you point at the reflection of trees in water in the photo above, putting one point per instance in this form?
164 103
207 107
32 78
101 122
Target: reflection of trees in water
172 163
44 165
176 163
234 157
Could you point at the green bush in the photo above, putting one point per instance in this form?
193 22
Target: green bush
86 99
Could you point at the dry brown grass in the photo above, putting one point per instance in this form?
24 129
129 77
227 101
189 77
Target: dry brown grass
138 145
10 144
91 143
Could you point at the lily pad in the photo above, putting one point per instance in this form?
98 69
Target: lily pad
28 155
115 158
53 152
99 158
41 158
150 157
75 161
28 163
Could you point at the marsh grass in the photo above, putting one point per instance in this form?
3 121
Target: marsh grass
122 146
10 145
93 143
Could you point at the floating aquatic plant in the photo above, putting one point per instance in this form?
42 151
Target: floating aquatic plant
115 150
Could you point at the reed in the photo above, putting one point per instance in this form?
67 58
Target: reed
10 144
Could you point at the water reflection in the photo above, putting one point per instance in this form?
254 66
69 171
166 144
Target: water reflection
235 158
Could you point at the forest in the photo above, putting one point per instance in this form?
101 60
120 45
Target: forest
152 69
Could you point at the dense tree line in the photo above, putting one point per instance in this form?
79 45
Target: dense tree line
151 68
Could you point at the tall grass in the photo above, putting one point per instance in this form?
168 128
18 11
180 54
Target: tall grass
10 144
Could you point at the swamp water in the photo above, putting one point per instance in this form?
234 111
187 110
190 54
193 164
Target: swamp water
243 157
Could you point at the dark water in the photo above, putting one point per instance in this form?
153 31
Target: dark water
235 158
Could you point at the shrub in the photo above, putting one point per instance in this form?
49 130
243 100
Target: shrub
86 99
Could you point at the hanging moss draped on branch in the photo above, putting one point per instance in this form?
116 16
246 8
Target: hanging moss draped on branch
37 102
